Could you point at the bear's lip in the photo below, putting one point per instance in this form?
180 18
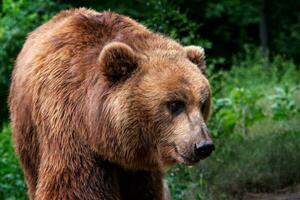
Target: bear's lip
187 160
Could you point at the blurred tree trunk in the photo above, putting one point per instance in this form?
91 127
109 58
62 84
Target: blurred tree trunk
263 30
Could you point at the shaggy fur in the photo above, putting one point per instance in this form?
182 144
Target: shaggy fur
87 104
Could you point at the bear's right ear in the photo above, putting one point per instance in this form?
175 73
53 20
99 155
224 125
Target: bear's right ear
197 56
118 61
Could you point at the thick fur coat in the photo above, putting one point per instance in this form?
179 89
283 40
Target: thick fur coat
87 107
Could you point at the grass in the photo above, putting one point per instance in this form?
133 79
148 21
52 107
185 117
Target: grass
260 163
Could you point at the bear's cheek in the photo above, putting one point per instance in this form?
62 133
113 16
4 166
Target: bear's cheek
168 157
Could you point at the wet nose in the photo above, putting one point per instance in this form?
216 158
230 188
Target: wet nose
204 149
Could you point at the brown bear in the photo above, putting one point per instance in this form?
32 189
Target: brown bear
101 107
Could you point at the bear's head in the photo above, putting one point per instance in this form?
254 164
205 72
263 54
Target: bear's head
154 107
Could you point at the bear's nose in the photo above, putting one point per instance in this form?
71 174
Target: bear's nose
204 149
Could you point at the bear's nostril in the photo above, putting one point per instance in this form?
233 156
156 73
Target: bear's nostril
204 149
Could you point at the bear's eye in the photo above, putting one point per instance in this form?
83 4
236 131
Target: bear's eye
202 106
176 107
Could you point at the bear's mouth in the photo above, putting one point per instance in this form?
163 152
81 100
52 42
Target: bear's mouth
187 160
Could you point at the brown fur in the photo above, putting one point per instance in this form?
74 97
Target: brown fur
87 109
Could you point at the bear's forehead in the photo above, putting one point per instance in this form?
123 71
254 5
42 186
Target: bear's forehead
174 79
165 58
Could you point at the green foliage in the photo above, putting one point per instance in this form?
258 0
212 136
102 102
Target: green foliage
175 23
245 13
284 104
245 94
285 28
12 186
188 185
238 109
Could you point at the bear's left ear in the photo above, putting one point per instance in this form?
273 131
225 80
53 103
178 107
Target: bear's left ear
118 61
197 56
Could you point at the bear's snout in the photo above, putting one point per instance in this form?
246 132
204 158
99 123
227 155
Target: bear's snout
203 149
